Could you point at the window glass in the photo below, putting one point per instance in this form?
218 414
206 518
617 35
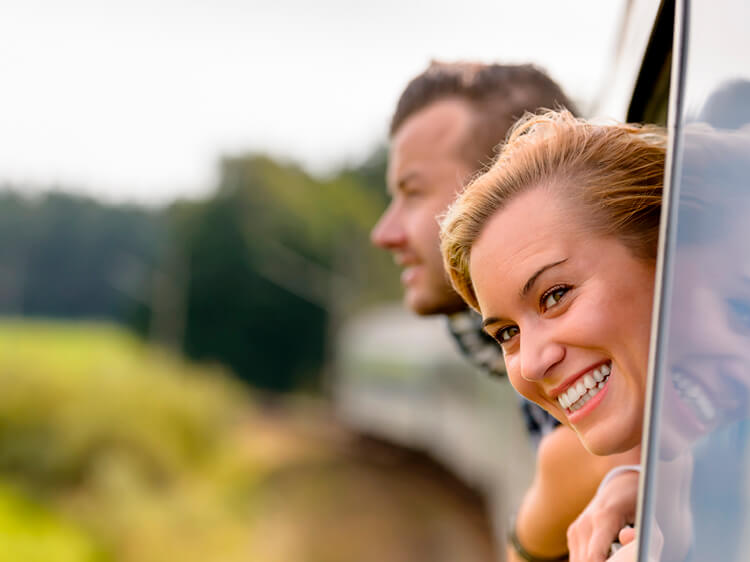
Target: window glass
697 494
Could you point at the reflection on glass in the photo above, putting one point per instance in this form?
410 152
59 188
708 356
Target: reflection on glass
700 483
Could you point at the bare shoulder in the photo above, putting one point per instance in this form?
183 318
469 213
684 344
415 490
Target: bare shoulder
566 478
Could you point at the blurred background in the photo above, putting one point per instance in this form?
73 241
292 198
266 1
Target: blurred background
201 356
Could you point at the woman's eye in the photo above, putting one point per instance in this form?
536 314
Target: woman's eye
552 297
740 312
506 334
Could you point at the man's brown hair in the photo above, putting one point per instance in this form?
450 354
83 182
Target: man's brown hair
498 94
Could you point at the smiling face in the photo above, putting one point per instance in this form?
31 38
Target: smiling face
572 310
426 169
708 354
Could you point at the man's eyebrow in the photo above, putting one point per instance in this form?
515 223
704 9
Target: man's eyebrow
530 283
400 182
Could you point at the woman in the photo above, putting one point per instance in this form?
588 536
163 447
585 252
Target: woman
556 245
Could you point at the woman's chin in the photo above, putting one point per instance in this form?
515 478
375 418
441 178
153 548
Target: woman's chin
604 443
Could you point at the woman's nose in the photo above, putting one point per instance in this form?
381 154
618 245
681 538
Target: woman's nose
540 351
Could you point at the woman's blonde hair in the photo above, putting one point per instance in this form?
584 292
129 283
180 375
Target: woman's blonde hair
612 173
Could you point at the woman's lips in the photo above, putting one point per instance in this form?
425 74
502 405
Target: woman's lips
717 393
692 393
587 403
584 388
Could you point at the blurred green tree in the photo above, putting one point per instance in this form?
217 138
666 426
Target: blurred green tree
69 256
274 259
256 275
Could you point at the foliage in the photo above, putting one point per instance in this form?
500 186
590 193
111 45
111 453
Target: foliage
137 447
32 533
115 451
255 276
70 257
275 257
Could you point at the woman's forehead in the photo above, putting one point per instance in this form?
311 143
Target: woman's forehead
532 223
517 241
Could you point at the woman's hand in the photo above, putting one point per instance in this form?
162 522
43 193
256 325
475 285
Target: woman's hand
625 554
629 550
596 528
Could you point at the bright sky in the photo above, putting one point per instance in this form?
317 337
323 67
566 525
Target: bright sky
137 99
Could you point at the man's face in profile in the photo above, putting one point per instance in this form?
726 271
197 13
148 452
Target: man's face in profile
426 170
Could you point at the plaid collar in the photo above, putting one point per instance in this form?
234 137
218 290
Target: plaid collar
475 344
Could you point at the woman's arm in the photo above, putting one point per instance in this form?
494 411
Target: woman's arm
567 477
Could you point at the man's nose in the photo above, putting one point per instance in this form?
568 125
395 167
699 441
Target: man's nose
388 232
540 352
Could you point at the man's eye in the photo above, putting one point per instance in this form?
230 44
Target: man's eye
553 296
411 191
506 334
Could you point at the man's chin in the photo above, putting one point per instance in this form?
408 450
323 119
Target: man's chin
426 305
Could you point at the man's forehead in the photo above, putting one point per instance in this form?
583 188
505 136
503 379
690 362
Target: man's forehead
441 123
433 134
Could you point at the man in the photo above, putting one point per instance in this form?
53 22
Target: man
444 130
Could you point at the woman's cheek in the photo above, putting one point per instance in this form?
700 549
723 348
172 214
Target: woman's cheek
525 388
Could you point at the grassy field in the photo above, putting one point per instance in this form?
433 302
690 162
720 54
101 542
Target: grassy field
113 450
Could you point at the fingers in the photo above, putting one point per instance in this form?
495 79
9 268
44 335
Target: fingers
589 543
596 528
625 554
627 535
600 543
577 535
592 533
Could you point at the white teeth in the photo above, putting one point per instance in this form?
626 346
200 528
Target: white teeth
693 394
584 389
707 409
572 394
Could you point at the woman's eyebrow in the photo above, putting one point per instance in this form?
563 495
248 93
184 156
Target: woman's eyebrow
526 288
530 283
487 321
